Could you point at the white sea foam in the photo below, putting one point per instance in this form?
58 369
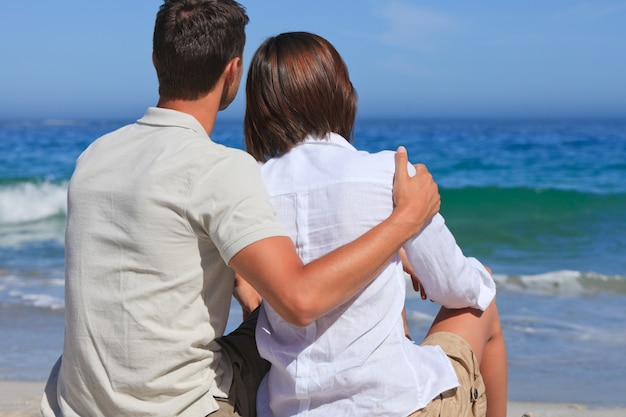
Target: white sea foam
32 212
558 282
43 301
564 282
45 291
17 235
29 202
414 317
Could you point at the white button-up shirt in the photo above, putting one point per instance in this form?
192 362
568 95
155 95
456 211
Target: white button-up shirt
356 359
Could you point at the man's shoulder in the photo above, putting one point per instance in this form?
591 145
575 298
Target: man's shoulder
226 154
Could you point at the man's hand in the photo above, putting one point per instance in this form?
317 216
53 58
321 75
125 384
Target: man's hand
416 198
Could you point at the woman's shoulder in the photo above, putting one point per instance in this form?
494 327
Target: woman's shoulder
376 162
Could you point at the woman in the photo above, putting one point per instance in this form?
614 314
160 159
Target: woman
300 114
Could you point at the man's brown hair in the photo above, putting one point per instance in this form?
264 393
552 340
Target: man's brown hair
193 42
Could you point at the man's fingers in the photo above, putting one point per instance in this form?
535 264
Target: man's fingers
402 159
417 194
419 168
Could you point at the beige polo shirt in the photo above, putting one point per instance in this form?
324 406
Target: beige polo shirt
156 210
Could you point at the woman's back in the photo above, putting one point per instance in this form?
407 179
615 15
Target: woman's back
357 359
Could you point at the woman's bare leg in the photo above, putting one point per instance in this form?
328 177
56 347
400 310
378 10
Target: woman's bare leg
483 331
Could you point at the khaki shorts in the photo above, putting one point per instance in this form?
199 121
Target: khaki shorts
248 370
469 398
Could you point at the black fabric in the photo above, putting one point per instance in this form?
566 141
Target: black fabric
249 367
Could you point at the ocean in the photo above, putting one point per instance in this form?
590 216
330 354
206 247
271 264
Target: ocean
542 202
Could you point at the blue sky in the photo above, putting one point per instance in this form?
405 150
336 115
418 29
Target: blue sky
91 59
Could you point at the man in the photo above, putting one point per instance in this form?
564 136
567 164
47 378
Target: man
160 217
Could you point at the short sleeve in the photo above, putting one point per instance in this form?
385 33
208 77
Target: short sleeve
231 203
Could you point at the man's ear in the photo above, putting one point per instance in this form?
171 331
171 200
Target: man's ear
232 70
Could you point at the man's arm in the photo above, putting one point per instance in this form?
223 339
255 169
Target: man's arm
302 293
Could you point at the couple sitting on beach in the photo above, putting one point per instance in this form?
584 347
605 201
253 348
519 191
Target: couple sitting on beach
160 219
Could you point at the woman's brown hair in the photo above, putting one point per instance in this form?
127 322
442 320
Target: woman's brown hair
298 85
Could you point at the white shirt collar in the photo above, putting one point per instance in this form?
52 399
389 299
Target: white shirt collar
333 139
158 116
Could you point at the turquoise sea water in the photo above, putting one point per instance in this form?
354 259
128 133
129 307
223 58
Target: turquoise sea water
543 203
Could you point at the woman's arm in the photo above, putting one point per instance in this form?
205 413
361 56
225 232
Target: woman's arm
247 297
446 274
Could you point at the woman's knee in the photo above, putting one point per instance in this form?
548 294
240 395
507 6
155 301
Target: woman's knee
492 319
475 326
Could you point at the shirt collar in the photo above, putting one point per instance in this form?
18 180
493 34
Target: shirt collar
157 116
332 139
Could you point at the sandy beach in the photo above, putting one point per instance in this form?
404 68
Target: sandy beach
21 399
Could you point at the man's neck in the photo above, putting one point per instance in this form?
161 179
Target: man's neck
204 110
